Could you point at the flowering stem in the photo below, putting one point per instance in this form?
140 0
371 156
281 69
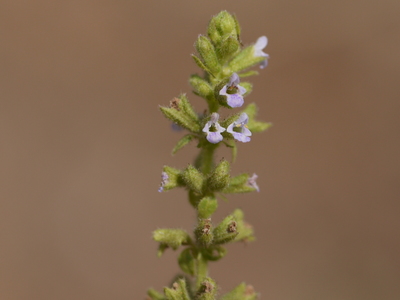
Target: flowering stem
213 106
201 270
205 159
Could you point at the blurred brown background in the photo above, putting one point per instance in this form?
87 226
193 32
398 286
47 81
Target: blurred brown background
83 144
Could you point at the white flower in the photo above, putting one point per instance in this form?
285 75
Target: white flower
235 96
258 50
244 133
214 137
252 182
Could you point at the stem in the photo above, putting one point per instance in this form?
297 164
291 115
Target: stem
213 106
201 270
205 159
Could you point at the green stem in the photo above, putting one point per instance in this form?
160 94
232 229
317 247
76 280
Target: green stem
205 159
213 106
201 270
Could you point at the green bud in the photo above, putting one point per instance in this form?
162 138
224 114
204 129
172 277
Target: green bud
241 292
226 231
213 33
203 232
173 238
208 55
228 47
245 59
226 24
253 125
201 87
206 207
187 262
239 184
178 291
182 143
193 179
182 113
173 180
187 108
208 290
219 178
154 295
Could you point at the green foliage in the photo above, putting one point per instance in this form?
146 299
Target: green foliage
182 143
220 56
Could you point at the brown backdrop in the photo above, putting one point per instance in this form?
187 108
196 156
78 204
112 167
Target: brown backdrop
83 144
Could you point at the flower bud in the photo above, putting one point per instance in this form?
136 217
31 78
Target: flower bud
228 48
203 232
239 184
226 231
182 113
171 237
171 178
219 178
208 290
207 53
193 179
201 87
225 24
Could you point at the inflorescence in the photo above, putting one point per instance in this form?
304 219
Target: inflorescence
225 62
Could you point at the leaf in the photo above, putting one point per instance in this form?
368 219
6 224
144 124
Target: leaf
187 262
182 143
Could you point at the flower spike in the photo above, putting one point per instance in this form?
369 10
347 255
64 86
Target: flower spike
233 91
214 137
244 134
258 50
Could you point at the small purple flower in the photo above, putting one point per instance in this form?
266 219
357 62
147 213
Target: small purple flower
258 47
214 137
233 91
244 132
252 182
164 181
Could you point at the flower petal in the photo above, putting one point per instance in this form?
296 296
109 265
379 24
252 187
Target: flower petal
234 100
234 79
241 90
261 43
243 119
241 137
214 137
